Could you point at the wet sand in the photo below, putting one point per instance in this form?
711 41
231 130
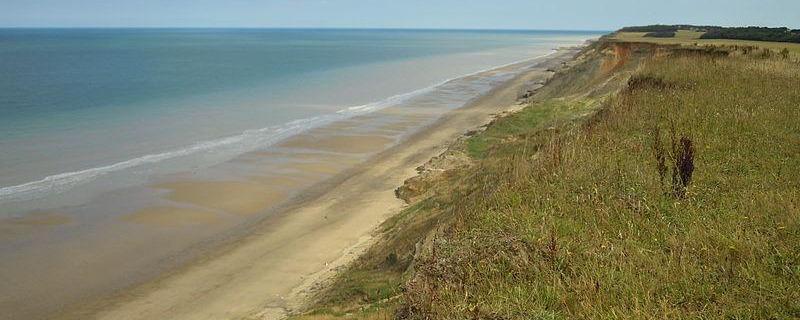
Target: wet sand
339 143
33 222
39 219
236 197
172 216
267 272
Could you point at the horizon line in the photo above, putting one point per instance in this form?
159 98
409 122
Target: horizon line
300 28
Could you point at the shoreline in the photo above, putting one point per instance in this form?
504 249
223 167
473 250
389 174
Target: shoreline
37 188
267 270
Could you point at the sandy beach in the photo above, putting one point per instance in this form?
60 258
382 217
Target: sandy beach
268 271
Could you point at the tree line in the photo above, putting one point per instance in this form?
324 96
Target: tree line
754 33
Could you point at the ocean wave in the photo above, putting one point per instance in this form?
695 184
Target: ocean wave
246 141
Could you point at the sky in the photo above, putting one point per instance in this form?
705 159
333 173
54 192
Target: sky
445 14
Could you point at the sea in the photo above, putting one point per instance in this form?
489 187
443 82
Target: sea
83 111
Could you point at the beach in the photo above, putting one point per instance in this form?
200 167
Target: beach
269 271
201 137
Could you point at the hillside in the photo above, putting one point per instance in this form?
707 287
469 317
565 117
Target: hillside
643 180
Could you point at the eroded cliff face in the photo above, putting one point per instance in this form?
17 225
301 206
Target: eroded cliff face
437 170
615 57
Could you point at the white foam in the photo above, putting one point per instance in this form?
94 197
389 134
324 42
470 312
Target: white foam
246 141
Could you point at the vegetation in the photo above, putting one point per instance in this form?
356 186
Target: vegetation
590 227
754 33
524 121
643 182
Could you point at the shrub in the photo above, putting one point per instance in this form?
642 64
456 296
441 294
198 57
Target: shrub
785 53
683 168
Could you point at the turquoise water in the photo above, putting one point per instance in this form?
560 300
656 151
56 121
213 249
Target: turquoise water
84 106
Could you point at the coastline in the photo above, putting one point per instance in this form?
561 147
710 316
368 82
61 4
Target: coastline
38 188
267 273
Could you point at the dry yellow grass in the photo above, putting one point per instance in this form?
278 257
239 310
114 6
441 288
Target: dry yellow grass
692 38
681 35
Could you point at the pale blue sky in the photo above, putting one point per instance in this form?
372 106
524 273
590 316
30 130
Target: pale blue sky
480 14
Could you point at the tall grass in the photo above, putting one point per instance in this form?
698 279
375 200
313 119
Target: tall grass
585 228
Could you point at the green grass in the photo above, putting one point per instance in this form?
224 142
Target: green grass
535 117
586 228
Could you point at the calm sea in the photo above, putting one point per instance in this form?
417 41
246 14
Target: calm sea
113 107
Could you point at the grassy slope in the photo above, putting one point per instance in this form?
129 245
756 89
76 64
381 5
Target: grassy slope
565 215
